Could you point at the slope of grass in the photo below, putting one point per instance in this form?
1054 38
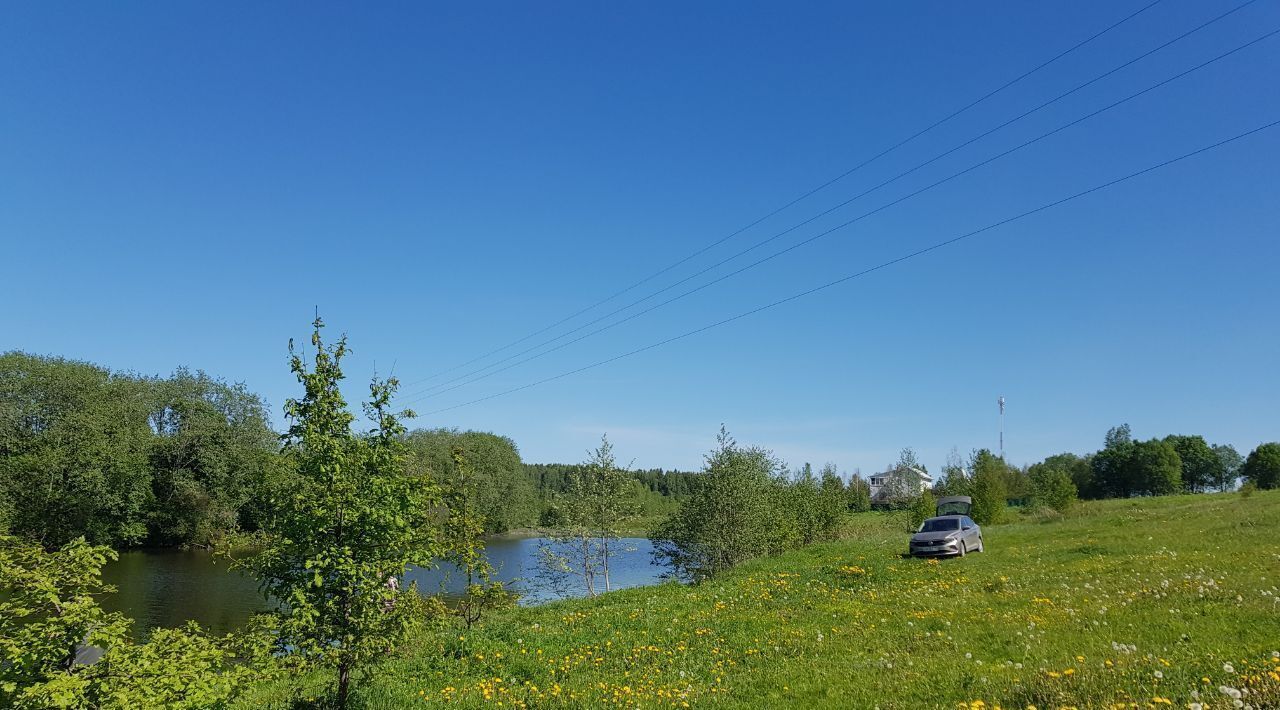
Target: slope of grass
1134 603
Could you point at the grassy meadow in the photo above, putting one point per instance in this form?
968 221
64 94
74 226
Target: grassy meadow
1138 603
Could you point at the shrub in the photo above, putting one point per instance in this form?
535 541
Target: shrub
729 520
924 506
1052 488
988 488
49 608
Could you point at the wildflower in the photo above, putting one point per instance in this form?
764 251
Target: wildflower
1228 668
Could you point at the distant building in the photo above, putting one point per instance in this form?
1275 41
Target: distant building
898 485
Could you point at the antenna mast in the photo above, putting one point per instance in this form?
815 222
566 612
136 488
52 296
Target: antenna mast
1000 401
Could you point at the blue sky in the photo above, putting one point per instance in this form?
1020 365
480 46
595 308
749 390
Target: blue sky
182 183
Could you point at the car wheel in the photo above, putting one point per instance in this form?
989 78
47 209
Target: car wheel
980 547
963 549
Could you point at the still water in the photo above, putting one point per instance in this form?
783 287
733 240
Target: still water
167 588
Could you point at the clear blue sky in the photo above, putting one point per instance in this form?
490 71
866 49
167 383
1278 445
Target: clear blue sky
181 183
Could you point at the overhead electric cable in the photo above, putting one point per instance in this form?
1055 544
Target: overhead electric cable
440 389
864 272
808 193
444 386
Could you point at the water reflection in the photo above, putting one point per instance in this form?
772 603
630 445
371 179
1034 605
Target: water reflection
167 588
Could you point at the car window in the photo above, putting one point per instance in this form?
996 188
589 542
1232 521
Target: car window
940 525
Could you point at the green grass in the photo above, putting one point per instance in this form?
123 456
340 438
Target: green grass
1130 603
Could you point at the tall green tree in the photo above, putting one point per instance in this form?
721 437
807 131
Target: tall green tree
1200 464
801 499
832 501
609 501
463 543
504 495
923 507
73 451
728 520
352 521
1262 468
597 502
1155 468
1112 472
859 492
1229 463
989 496
213 448
123 459
954 481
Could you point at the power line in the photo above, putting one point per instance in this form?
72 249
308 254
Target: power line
809 193
864 272
444 386
758 262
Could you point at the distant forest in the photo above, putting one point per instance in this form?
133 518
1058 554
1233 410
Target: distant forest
188 459
124 459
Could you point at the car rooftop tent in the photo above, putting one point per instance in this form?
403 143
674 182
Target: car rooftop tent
954 505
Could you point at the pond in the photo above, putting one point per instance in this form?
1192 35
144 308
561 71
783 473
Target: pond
167 588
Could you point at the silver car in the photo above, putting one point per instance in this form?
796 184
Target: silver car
952 532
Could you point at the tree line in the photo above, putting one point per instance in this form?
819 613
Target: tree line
124 459
1123 468
189 459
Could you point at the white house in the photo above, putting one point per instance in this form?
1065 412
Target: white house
892 486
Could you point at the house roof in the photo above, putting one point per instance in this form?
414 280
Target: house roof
921 474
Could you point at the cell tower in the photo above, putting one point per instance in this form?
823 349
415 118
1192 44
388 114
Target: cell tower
1000 401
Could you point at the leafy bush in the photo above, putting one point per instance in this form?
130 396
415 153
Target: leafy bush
988 487
350 524
922 507
49 612
1052 488
728 521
